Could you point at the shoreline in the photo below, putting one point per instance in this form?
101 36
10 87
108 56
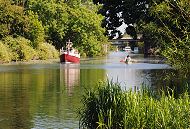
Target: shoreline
48 61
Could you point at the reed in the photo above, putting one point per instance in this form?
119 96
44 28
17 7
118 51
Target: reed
108 107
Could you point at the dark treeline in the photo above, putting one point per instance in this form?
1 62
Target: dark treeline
165 25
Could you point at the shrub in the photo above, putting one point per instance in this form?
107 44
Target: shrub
20 48
5 53
27 52
47 51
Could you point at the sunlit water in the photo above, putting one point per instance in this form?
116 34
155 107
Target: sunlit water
41 96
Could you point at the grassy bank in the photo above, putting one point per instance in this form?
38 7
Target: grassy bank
110 107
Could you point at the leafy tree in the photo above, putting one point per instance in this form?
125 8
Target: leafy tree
164 25
40 22
12 19
54 19
118 12
85 31
35 31
76 20
21 32
112 12
172 22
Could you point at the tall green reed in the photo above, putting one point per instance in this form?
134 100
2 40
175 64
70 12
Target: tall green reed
108 107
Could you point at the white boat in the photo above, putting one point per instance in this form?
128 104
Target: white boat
127 49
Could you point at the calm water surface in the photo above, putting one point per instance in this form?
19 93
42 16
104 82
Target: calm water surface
41 96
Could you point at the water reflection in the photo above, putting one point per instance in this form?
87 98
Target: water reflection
14 101
69 76
48 95
31 96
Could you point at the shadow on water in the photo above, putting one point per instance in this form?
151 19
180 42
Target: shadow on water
172 81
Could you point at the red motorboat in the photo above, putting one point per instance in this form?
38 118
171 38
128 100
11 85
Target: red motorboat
70 54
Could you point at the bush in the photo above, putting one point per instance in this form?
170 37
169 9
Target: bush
47 51
27 52
20 48
5 53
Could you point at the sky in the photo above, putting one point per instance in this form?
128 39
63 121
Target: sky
122 28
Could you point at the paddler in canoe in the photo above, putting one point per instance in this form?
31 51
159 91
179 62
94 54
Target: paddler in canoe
127 60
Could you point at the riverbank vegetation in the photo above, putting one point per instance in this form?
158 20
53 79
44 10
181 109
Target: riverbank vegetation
169 27
110 107
165 26
36 29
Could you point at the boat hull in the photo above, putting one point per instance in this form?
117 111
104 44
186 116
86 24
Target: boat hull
69 58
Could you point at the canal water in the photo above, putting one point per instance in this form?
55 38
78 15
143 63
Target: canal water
41 96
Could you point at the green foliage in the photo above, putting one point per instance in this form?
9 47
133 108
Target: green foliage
5 53
70 20
54 18
118 12
171 26
36 32
3 30
164 25
53 22
20 48
110 10
13 21
110 107
103 107
47 51
85 31
178 55
19 2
